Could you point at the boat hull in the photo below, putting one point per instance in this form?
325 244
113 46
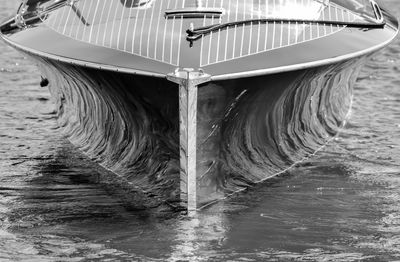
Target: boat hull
247 130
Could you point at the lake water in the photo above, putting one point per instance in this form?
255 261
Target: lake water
342 205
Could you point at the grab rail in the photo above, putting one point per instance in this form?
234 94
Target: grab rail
194 34
195 12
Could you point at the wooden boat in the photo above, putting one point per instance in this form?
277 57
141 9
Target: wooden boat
184 101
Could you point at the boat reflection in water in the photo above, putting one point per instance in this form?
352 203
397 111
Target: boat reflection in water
184 103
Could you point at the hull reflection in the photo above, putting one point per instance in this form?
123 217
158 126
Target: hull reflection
248 130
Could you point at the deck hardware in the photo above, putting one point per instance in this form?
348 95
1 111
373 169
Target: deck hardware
377 11
44 81
27 16
19 21
197 33
195 12
72 2
141 4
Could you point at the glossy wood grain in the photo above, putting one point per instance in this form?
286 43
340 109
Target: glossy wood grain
143 39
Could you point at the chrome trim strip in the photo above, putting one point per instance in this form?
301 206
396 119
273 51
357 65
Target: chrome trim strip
172 41
227 32
120 24
148 37
88 16
61 18
141 31
108 19
165 35
259 27
113 26
188 81
94 19
235 31
243 29
210 43
98 29
202 43
66 21
179 43
157 30
134 30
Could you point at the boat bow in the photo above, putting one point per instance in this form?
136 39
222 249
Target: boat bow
193 43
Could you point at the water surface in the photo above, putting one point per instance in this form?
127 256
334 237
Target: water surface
341 205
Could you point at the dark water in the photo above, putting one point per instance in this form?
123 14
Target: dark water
342 205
